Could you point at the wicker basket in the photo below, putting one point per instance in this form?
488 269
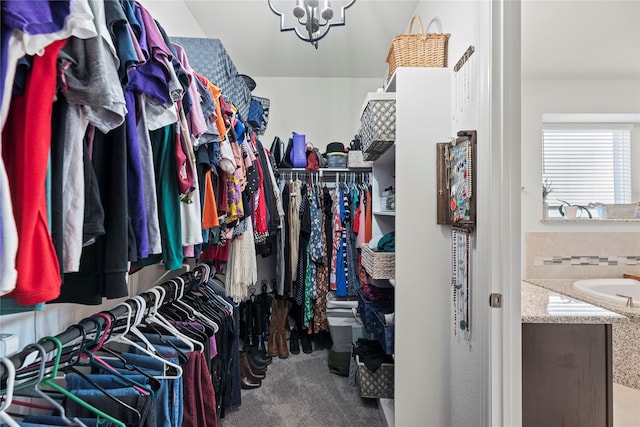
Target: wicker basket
378 126
418 50
379 265
378 384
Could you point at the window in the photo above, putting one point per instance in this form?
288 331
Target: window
587 163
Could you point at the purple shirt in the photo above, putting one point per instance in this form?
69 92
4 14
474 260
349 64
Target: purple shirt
135 185
35 16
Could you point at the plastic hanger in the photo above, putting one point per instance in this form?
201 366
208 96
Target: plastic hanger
175 372
36 392
54 373
157 318
107 394
8 394
154 383
196 314
102 364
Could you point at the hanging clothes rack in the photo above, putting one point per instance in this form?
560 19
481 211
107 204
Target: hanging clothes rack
355 175
96 323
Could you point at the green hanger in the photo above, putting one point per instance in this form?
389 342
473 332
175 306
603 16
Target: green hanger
49 382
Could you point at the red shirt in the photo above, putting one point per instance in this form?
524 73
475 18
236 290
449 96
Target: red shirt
26 143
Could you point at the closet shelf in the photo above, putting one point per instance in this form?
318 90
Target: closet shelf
385 213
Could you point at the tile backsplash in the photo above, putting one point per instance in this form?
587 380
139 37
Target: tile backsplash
581 255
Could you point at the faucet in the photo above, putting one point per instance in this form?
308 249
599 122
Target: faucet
629 300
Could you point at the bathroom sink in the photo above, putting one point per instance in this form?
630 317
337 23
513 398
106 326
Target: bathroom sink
623 292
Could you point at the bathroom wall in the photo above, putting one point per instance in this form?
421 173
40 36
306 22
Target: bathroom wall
579 255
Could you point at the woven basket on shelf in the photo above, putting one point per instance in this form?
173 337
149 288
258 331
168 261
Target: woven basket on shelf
378 127
378 384
379 265
418 50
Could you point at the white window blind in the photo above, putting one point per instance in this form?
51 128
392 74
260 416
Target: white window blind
587 164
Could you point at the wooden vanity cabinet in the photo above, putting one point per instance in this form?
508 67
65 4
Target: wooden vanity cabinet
567 375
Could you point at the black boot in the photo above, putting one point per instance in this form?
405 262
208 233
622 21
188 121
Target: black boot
249 339
257 366
243 320
265 301
259 356
305 342
258 324
294 345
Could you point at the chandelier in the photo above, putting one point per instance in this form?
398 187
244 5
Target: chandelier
310 19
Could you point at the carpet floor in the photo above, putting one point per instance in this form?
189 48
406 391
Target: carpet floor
301 391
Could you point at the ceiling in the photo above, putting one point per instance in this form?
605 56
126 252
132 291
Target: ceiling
560 38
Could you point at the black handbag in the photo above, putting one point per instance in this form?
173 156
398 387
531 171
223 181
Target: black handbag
285 162
277 150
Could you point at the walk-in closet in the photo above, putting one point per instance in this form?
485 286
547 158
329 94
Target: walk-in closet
231 213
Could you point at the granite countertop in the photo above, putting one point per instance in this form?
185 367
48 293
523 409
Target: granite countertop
542 305
565 287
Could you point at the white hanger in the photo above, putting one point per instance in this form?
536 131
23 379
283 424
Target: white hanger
196 314
8 395
149 350
157 318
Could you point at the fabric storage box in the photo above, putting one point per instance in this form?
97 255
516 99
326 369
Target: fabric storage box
378 384
378 124
337 160
368 311
384 333
379 265
355 159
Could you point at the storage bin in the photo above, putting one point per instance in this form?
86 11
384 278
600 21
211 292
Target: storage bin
378 125
355 159
368 311
341 330
389 199
378 384
337 160
379 265
384 333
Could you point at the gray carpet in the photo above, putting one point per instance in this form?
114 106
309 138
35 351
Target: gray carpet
300 391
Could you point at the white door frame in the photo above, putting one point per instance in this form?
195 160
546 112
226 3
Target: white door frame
504 373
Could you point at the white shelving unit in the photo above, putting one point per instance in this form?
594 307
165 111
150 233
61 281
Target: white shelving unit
383 176
422 264
422 300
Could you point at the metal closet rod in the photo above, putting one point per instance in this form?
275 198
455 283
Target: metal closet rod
325 172
89 326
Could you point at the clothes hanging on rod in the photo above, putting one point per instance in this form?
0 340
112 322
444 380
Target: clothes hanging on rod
322 228
155 159
134 381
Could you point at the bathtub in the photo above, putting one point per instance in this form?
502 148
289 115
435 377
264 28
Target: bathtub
610 289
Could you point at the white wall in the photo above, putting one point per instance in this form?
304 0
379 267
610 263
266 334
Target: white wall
55 318
468 24
570 96
325 110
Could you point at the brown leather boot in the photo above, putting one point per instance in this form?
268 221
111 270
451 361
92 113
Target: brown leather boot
247 376
281 337
272 347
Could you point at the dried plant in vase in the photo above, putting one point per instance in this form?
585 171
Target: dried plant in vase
546 189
